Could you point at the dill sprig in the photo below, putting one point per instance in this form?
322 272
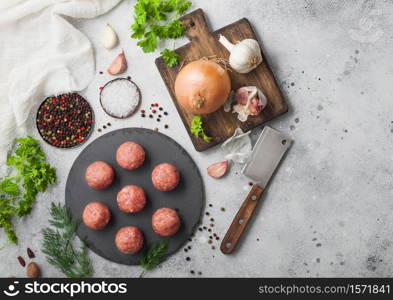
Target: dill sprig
153 257
58 244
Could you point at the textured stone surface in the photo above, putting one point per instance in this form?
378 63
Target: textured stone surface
328 211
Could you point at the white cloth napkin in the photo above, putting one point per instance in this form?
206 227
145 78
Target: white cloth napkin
41 54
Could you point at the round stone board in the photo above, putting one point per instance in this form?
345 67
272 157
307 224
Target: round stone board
187 198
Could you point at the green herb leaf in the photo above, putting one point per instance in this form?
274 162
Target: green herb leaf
197 129
157 19
149 44
58 244
154 256
171 58
18 192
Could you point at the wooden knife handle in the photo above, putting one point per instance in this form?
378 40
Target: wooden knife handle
241 220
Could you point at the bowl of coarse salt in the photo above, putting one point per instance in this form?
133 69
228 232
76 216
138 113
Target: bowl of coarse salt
120 98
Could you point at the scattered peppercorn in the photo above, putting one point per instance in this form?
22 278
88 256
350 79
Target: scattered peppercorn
209 230
21 261
207 213
199 273
161 108
200 229
30 253
210 205
192 272
166 126
210 241
165 113
158 120
222 208
143 115
189 247
211 225
129 77
188 258
101 72
99 130
109 124
211 219
150 116
185 249
213 247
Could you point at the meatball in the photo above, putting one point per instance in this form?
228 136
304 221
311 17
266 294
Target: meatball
99 175
129 240
165 177
96 215
165 222
130 155
131 199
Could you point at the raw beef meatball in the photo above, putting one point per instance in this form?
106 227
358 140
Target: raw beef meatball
131 199
99 175
165 222
165 177
129 240
130 155
96 215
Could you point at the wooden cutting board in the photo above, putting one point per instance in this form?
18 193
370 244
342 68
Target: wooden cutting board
220 125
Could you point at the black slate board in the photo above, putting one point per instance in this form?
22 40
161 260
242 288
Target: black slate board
187 198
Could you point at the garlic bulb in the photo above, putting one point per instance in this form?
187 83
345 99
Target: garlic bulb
109 38
244 55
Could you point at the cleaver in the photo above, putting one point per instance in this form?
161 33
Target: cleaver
263 161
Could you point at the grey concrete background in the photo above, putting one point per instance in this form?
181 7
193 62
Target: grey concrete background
329 210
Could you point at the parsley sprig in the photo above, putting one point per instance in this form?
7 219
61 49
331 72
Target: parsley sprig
58 244
197 129
156 20
171 58
153 257
18 192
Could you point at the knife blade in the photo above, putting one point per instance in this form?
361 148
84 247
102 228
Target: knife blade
266 155
260 167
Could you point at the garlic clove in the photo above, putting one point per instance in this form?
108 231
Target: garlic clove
109 38
218 170
250 101
119 64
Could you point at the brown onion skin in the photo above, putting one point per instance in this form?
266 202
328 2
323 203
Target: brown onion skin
202 82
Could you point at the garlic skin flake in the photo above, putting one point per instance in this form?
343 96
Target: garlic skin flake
244 56
109 38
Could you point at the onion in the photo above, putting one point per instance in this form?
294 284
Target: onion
202 87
